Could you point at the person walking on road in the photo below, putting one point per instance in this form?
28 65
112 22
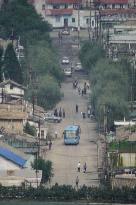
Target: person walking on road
84 167
78 166
76 108
63 113
56 134
77 182
50 145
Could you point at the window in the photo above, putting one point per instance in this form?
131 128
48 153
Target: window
87 21
73 20
56 6
66 6
11 86
43 7
57 19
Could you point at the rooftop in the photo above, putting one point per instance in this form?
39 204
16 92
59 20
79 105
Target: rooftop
112 1
11 82
58 12
4 152
62 1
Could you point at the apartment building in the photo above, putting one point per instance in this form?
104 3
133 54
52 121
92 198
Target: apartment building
65 13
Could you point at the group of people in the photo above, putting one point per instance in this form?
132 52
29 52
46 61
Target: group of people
78 170
81 91
59 113
84 167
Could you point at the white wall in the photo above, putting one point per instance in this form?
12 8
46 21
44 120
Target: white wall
129 159
7 165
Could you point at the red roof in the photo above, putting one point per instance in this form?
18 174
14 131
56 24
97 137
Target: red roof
58 12
112 1
116 11
63 1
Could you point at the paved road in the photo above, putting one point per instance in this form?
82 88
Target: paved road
65 158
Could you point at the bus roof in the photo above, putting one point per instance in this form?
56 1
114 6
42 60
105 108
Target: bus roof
72 127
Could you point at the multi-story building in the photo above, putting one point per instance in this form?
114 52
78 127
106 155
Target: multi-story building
65 13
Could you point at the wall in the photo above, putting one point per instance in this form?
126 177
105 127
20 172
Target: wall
12 126
7 165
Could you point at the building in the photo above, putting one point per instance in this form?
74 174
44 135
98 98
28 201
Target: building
12 118
65 13
15 168
10 90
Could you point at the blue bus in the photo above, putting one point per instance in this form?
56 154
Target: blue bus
72 134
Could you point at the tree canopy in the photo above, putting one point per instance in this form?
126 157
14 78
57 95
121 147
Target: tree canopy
20 17
11 67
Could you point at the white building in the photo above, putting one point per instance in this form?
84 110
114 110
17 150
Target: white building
10 90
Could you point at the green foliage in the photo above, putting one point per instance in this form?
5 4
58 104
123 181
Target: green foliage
22 17
43 59
46 167
11 66
66 194
47 92
29 129
90 53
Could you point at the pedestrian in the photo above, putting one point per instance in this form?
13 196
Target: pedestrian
77 182
56 112
79 90
60 112
84 115
82 92
76 108
78 166
63 112
88 112
50 144
56 134
84 167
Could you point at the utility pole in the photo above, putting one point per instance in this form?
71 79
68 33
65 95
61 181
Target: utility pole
78 23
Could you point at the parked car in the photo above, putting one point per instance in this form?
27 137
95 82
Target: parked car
50 117
68 71
78 67
65 60
65 32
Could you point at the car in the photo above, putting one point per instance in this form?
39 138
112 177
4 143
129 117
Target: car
65 60
65 32
68 72
50 117
78 67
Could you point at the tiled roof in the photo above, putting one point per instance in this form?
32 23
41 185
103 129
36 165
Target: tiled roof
58 12
12 157
111 12
112 1
63 1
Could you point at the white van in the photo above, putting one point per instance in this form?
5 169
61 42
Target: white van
68 72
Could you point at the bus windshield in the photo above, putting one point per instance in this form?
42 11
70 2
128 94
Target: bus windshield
70 133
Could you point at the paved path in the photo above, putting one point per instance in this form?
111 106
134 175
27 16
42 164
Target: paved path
65 158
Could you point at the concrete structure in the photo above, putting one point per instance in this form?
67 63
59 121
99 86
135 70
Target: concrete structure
10 90
17 177
12 118
124 180
66 13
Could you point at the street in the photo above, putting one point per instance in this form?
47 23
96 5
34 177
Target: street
66 157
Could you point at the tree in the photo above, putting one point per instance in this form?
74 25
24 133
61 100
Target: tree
22 17
29 129
47 92
46 167
11 66
1 54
